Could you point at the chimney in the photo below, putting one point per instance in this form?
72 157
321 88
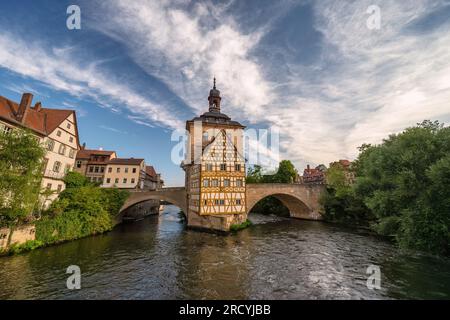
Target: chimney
38 106
307 167
24 106
83 146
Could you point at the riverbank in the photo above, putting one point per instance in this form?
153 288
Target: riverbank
82 209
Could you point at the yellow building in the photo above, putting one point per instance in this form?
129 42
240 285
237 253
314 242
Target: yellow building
57 130
214 165
124 173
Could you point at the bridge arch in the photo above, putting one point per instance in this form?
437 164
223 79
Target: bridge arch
300 200
296 207
175 196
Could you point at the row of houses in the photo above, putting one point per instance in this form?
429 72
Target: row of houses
105 168
57 130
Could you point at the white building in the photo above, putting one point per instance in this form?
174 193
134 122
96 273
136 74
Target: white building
57 130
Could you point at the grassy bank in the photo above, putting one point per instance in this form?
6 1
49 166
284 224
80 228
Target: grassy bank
82 209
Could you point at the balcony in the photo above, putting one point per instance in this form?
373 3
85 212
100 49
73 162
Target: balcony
54 175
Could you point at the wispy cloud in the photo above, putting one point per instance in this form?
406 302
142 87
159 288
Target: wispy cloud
21 88
81 112
104 127
61 70
186 48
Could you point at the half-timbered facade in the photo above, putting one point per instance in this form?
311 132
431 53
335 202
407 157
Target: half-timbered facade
214 166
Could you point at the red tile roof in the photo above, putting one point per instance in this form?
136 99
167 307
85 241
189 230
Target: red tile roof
43 121
345 163
129 161
150 171
86 153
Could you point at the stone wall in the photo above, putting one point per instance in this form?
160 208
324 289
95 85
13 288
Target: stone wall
4 236
23 234
19 235
216 222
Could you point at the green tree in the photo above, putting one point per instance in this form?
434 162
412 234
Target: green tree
340 201
75 180
403 182
21 158
286 173
254 174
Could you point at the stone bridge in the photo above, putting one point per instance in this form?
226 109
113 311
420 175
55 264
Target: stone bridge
301 200
176 196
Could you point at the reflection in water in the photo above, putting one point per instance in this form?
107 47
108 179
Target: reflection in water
276 258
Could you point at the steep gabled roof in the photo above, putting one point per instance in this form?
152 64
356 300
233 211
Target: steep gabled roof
43 121
150 171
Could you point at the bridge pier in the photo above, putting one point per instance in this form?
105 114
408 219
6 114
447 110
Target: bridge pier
214 222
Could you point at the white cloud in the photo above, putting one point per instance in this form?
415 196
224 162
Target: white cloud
172 44
59 69
372 82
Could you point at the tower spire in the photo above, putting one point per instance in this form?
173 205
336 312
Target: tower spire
214 98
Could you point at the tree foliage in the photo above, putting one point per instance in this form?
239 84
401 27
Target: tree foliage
82 209
75 180
21 156
404 182
340 202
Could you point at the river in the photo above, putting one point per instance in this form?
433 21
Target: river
276 258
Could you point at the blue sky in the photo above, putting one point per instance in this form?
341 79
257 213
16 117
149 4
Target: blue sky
138 69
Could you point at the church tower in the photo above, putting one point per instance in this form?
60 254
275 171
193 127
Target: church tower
215 168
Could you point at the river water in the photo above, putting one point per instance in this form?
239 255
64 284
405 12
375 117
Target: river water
276 258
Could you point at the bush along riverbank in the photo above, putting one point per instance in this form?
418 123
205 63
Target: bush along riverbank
82 209
401 189
236 227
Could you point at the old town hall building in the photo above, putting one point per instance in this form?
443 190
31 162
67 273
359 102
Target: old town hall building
215 167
